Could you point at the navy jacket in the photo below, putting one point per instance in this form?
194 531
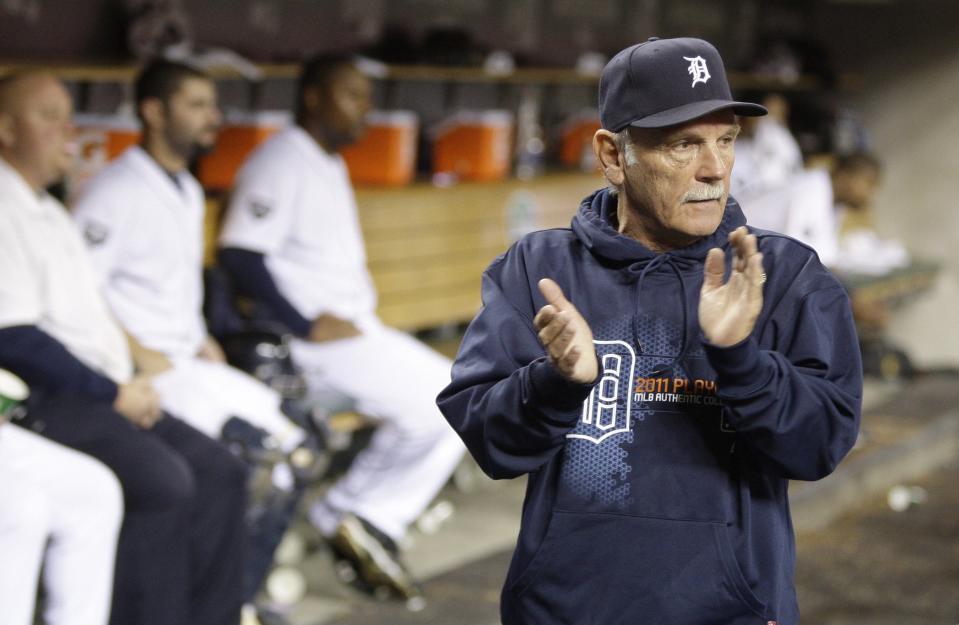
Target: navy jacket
657 495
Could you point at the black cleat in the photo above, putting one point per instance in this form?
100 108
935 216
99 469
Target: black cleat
374 559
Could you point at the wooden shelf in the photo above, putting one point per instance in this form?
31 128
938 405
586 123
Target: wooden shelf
107 73
75 72
525 76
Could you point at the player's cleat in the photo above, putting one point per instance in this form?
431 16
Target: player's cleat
254 444
374 559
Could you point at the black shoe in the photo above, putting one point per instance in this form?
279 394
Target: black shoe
254 444
374 558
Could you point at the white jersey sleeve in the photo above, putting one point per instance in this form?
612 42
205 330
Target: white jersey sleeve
106 228
21 297
262 208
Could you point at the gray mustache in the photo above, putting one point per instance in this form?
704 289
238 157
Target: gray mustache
705 192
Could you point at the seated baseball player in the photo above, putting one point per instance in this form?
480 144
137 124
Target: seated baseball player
180 553
292 243
142 219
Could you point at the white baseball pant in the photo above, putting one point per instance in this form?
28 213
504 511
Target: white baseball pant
206 394
51 493
394 379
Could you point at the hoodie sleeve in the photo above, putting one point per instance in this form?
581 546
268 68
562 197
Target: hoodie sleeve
797 408
507 402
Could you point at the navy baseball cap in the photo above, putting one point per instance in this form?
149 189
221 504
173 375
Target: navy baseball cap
663 82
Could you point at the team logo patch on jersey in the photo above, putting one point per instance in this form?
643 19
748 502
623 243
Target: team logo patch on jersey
95 233
698 70
260 209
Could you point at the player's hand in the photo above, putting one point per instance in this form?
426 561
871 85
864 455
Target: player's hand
138 402
566 335
150 361
329 328
211 350
728 311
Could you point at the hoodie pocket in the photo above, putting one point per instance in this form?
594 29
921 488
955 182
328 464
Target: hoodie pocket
610 569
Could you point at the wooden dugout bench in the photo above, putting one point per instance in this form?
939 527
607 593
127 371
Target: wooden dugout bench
427 246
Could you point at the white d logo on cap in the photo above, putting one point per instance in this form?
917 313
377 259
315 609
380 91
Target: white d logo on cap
697 68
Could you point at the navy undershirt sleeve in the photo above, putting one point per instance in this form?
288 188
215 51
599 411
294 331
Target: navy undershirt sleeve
251 278
44 363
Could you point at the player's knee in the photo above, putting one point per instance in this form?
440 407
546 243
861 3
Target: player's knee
172 489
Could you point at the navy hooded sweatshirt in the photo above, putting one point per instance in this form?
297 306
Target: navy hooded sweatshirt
658 494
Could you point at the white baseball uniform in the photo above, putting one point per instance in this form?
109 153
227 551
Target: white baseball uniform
144 229
51 493
293 203
768 160
47 280
48 491
61 294
803 209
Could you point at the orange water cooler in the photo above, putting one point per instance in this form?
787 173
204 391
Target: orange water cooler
576 140
240 135
474 145
386 155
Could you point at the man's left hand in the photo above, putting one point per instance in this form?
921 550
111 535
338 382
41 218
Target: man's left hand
728 311
566 336
211 350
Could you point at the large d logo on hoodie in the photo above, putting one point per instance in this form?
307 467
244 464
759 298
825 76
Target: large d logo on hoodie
607 410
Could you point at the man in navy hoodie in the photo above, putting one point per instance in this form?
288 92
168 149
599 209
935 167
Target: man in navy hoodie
660 371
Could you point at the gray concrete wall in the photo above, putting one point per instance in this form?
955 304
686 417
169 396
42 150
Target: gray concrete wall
904 54
909 100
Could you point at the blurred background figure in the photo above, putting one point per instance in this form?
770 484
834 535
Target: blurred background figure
180 553
142 219
291 242
767 154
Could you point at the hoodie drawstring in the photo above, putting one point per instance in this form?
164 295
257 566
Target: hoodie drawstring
665 259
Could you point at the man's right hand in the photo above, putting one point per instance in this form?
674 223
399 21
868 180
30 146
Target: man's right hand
138 401
329 328
566 336
148 361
